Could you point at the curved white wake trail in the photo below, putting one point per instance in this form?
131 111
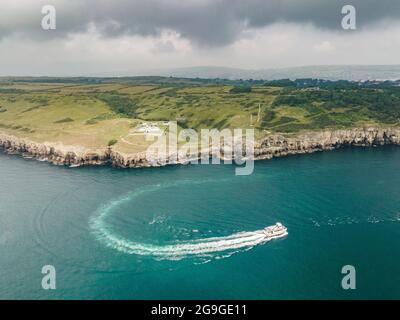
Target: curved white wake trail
177 250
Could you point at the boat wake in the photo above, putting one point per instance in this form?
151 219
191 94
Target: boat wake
177 250
180 250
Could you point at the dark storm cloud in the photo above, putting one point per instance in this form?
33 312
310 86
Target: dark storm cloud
205 22
219 22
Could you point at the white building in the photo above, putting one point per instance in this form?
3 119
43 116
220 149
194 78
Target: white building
149 129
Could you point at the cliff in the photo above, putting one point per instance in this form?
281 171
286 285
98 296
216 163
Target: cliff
280 145
55 153
274 145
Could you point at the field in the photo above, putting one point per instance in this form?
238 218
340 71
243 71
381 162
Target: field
96 112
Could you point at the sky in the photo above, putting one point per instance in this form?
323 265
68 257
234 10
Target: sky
95 37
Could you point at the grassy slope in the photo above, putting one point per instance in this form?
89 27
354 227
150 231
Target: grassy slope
91 115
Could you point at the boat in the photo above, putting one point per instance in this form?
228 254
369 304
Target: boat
278 230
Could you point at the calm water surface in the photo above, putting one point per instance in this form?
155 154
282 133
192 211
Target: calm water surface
151 233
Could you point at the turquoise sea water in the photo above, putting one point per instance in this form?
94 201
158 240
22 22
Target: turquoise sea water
188 231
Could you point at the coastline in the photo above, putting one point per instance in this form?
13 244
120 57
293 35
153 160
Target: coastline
273 145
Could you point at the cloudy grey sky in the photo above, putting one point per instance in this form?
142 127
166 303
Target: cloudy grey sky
132 36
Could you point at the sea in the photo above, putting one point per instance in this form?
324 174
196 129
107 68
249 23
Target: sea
195 231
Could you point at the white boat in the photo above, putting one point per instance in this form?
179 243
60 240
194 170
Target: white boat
276 231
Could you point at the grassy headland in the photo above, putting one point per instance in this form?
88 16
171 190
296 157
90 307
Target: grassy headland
97 112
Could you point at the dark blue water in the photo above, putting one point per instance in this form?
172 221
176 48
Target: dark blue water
145 233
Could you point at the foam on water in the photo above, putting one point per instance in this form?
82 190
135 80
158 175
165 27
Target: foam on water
178 250
349 220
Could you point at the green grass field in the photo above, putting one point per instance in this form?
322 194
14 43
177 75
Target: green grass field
93 112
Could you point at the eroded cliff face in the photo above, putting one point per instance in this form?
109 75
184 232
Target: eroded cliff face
274 145
52 152
280 145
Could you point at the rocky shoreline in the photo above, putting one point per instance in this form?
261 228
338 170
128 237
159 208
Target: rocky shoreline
274 145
